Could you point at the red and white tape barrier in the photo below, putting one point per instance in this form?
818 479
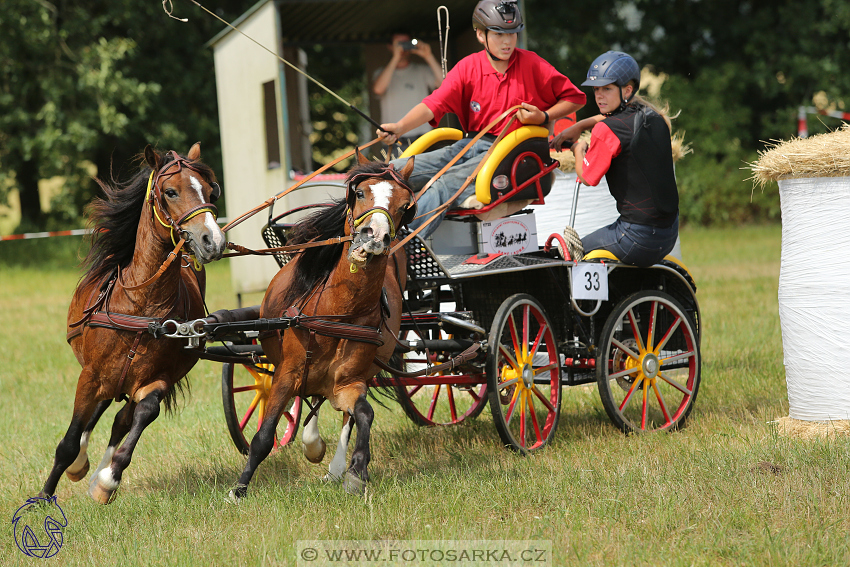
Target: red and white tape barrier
802 127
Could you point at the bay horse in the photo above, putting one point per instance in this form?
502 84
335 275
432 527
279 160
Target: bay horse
340 322
132 282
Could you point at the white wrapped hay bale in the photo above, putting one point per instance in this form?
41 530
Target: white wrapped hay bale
814 295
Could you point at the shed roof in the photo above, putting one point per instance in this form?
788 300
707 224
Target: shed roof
363 21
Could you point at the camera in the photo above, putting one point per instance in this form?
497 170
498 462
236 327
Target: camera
409 45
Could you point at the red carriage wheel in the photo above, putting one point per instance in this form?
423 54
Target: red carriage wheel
438 404
524 374
648 367
244 391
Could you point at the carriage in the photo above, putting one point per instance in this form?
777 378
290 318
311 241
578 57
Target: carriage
543 320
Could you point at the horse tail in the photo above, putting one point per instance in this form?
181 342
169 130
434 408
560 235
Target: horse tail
384 387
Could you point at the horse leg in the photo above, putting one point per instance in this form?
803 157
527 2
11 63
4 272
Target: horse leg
357 475
263 441
104 485
312 444
68 448
337 466
120 427
77 470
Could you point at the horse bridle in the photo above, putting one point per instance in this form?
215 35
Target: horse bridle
154 195
389 173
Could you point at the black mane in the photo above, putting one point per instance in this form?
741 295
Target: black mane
313 265
115 221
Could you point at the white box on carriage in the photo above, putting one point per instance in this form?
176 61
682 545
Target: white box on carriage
508 235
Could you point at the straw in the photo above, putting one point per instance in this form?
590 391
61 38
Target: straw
822 155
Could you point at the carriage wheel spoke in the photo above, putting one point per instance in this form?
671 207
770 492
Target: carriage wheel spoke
514 338
413 390
653 317
661 403
676 358
536 425
526 324
674 383
643 409
631 391
451 397
538 340
509 357
522 418
250 411
507 383
543 399
434 399
636 331
673 326
247 388
544 369
626 349
622 373
512 407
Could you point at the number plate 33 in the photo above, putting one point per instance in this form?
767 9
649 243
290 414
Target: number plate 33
590 281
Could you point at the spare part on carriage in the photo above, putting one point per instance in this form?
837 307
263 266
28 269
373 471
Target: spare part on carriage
614 67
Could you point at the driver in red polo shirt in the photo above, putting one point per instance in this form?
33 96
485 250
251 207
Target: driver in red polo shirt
478 89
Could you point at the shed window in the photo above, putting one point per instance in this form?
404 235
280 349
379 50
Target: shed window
272 135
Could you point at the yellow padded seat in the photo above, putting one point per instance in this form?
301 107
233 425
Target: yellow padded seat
607 255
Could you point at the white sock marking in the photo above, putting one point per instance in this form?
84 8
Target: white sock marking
337 466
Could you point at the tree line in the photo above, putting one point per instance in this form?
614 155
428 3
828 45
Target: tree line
85 85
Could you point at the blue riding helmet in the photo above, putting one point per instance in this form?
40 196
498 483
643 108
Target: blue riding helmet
614 67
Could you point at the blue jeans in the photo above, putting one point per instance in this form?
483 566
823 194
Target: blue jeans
426 165
638 244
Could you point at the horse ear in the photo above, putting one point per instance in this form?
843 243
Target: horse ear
194 152
407 169
152 158
361 159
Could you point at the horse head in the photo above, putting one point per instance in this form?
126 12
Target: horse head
181 192
380 201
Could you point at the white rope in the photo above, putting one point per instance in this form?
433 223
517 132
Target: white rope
814 296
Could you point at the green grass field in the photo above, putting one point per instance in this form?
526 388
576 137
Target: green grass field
727 490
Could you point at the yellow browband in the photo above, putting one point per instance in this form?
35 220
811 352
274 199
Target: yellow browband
170 228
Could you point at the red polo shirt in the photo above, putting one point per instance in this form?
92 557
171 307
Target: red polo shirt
477 94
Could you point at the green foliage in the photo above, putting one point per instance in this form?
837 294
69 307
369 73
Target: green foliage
738 71
336 128
85 83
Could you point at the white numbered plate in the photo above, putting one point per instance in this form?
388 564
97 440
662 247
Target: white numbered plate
590 281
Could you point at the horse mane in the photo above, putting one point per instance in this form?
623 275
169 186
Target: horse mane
313 265
114 219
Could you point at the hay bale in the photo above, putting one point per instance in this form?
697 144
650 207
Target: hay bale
823 155
800 429
567 161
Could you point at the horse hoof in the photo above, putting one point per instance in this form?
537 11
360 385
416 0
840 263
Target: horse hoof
77 476
313 458
237 494
353 484
100 493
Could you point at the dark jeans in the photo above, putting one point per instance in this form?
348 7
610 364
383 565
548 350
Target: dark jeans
638 244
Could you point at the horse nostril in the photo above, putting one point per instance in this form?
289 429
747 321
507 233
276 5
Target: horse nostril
387 240
207 242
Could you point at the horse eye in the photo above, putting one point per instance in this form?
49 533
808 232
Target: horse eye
170 193
359 193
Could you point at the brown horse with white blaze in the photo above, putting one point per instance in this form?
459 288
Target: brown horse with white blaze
133 284
339 322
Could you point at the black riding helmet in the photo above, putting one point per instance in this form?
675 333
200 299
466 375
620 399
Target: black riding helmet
501 16
614 67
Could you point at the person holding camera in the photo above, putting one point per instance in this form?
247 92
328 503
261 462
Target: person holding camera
480 88
403 82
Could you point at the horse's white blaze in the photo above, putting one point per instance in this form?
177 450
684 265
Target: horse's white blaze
381 192
311 441
337 466
209 219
